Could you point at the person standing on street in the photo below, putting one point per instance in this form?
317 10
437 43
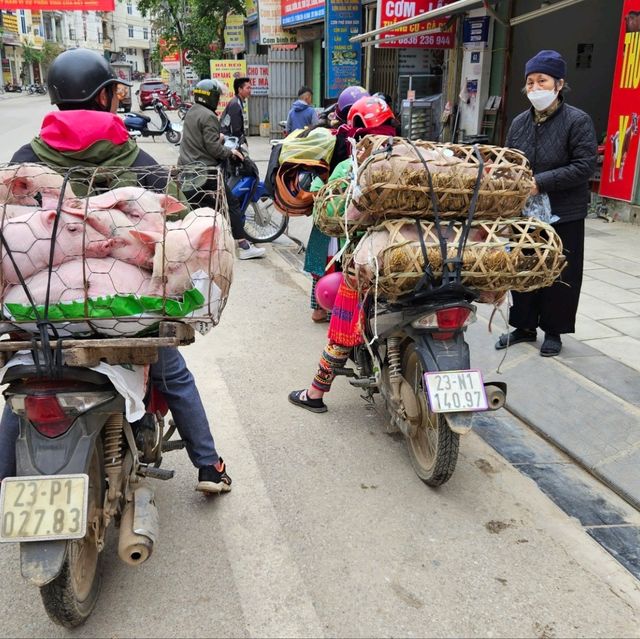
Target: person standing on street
232 117
560 143
302 113
86 131
202 144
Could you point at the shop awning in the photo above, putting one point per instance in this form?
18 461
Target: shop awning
543 11
451 9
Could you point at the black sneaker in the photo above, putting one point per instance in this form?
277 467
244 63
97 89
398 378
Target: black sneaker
300 398
211 480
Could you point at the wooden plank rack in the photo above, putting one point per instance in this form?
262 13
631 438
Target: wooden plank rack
118 350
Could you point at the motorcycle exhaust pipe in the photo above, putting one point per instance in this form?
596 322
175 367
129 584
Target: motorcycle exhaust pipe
138 528
496 394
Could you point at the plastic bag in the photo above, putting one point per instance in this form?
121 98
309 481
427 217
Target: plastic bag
539 206
317 144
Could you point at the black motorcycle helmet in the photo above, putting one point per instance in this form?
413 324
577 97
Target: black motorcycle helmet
207 92
77 76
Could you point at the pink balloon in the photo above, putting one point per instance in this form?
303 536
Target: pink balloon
327 289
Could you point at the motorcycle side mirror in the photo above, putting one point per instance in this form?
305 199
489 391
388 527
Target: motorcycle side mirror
138 92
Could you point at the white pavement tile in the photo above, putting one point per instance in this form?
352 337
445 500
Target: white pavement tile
624 349
610 293
632 267
587 265
627 325
589 329
597 309
628 282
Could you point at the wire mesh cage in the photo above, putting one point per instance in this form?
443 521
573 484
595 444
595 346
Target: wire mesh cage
109 251
520 254
393 180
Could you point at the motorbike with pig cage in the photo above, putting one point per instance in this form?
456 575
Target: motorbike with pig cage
98 274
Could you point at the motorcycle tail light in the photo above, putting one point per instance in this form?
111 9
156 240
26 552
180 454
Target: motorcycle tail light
446 321
46 415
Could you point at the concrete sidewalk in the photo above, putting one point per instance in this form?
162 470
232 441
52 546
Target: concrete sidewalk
587 400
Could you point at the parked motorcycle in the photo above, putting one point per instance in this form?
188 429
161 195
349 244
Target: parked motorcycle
415 356
263 223
138 125
37 88
81 466
13 88
183 108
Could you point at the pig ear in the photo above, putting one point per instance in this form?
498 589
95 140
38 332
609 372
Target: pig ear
172 205
105 201
49 217
147 237
205 240
18 185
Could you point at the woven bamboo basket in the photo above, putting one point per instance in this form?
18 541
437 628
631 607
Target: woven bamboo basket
329 207
520 254
394 183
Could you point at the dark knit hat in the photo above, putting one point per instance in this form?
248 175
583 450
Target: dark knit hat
549 62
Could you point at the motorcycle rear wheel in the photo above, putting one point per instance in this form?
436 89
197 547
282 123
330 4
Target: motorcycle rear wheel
433 450
71 597
263 223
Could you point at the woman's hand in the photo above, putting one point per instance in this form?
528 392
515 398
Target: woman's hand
534 189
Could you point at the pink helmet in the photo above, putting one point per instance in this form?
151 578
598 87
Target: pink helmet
369 111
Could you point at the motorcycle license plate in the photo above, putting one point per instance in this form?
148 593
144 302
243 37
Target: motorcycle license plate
43 508
456 391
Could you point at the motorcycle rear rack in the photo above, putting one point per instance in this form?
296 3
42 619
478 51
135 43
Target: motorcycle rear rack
90 352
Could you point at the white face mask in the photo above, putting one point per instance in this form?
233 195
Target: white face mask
542 99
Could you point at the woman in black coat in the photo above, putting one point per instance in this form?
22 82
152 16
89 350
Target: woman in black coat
560 143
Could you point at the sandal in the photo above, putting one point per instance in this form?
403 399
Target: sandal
319 319
299 398
515 337
551 346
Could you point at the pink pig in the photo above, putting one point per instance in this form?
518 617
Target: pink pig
102 277
200 242
29 239
19 184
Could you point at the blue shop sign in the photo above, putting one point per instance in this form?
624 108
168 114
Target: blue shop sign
475 33
343 63
302 17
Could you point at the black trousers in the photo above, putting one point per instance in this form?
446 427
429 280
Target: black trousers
554 308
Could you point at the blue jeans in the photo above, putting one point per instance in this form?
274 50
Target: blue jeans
174 380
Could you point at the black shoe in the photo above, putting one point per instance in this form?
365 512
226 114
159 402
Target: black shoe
212 480
515 337
300 398
551 346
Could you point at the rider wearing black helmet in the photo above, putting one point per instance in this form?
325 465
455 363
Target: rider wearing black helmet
87 132
202 143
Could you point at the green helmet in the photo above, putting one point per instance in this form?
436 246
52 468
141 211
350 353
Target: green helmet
208 92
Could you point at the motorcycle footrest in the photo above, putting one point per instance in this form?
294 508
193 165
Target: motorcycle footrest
347 372
156 473
363 382
174 444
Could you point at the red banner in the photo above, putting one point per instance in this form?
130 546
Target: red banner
392 11
621 146
58 5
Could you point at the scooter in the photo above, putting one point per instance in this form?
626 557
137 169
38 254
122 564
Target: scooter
263 223
415 356
138 125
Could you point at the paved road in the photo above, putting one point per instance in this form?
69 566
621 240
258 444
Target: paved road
327 531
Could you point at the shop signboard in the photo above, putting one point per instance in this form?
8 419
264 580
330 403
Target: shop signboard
251 8
475 33
234 33
295 12
226 71
392 11
58 5
343 65
270 21
619 168
259 76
